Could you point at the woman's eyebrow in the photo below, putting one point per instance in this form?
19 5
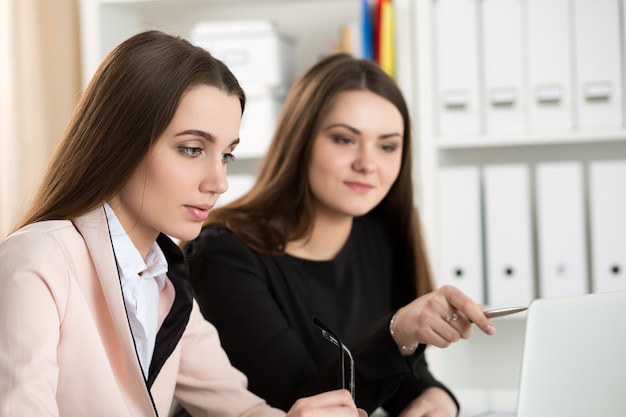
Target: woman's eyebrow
196 132
358 132
390 135
345 126
205 135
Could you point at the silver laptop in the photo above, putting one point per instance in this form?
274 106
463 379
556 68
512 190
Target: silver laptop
574 358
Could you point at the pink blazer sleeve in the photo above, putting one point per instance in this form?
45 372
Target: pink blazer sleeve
31 310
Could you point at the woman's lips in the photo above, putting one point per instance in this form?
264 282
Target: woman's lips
359 187
199 213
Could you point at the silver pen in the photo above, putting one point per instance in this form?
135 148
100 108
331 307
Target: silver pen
498 312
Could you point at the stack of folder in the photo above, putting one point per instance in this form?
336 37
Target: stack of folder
512 232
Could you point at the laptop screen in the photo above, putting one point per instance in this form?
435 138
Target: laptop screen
574 358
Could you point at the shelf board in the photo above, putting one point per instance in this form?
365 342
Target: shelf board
534 139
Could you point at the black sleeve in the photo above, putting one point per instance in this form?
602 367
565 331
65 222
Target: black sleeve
402 293
411 388
378 343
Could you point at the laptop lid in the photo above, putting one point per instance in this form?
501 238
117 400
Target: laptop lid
574 357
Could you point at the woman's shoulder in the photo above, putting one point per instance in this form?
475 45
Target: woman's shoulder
44 233
41 246
215 239
215 231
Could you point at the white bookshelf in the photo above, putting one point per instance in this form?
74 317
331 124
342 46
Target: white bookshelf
484 371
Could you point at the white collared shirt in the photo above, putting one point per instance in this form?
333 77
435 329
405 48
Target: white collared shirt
141 280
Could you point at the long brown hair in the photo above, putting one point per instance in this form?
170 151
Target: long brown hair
128 104
279 208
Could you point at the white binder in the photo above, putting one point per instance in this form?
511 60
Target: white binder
456 57
607 187
460 231
509 262
502 42
561 234
549 65
598 63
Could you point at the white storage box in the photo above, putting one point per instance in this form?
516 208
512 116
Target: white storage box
256 51
258 124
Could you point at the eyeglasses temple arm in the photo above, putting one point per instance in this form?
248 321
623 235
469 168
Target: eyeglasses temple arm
332 337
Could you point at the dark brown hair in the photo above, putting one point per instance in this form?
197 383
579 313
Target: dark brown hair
128 104
279 207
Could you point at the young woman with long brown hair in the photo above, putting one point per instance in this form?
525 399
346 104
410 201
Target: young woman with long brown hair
96 312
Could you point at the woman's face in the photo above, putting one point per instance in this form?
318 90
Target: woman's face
181 177
357 154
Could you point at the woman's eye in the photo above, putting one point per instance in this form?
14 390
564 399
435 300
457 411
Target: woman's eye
190 151
341 140
389 147
228 158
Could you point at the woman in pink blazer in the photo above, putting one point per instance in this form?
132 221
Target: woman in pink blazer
96 314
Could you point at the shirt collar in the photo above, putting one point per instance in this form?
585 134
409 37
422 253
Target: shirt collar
130 262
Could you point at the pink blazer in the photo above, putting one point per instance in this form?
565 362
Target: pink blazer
66 347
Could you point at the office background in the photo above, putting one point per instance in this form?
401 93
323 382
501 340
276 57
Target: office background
519 119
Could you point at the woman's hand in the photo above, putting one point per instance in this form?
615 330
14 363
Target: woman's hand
434 402
439 318
333 403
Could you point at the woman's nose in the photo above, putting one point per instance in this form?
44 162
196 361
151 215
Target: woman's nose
214 180
364 162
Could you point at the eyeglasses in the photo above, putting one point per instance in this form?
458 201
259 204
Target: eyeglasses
343 351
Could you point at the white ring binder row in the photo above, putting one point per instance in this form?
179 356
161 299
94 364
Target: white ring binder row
528 65
491 209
